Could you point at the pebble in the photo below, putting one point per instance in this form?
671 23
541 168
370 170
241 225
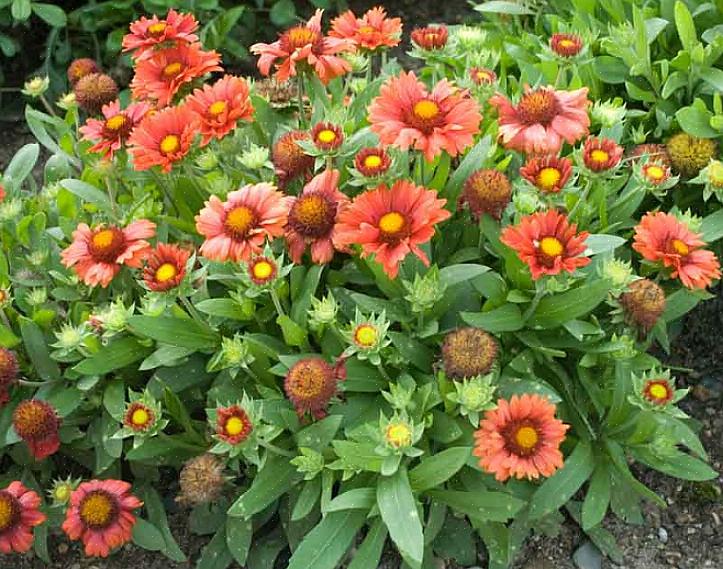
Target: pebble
587 556
663 534
63 548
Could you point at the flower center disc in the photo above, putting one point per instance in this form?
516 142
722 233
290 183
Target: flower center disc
548 178
658 391
365 335
372 161
326 136
106 244
654 172
116 123
239 221
679 247
9 510
157 29
551 247
308 382
172 69
234 426
312 215
262 270
599 156
538 107
299 37
97 510
526 437
140 417
217 108
399 435
166 272
393 226
170 144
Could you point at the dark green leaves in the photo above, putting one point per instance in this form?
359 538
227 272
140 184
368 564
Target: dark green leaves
554 310
185 333
326 544
435 470
273 481
399 512
117 354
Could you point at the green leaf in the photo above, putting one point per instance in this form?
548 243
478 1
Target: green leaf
216 554
554 310
302 300
308 497
275 479
685 25
435 470
52 15
294 335
506 318
455 274
473 160
238 538
148 536
696 122
21 165
222 307
320 434
561 486
181 332
479 505
356 499
114 399
412 350
21 10
157 515
370 551
88 193
680 303
282 13
37 350
712 226
597 498
503 7
399 512
326 544
601 243
116 355
610 69
679 465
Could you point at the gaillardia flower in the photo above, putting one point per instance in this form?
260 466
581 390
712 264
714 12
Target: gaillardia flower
201 480
406 115
327 136
521 438
311 383
643 302
543 119
486 191
19 514
161 76
313 216
370 32
431 37
163 138
657 153
566 45
547 242
233 424
391 223
109 135
8 373
95 90
304 45
149 33
101 515
289 159
661 237
165 267
96 255
262 270
601 154
372 162
658 391
139 417
690 154
221 106
238 227
81 67
655 173
548 174
482 76
37 423
468 352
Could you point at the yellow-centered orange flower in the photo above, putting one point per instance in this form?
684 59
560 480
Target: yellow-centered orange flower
163 138
374 30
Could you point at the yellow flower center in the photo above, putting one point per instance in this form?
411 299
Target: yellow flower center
548 178
366 335
426 109
526 437
372 161
599 156
399 435
140 417
172 69
170 144
366 30
566 43
217 108
392 222
166 272
658 391
483 76
156 29
96 510
300 36
679 247
655 172
715 173
262 270
234 426
551 246
103 238
326 136
8 511
239 220
116 122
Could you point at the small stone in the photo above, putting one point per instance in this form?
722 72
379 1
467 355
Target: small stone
63 548
587 556
663 534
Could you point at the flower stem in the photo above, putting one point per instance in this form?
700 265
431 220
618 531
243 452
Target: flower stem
192 310
47 106
302 114
277 450
539 293
277 302
384 373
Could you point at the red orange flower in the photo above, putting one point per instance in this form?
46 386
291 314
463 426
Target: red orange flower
391 223
233 424
661 238
262 270
139 417
8 373
149 33
372 161
548 174
110 134
163 138
162 74
482 76
372 31
520 438
547 242
101 515
311 383
98 254
165 267
37 423
19 514
327 136
600 154
542 119
406 115
566 45
312 218
238 227
431 37
220 106
655 173
658 391
304 45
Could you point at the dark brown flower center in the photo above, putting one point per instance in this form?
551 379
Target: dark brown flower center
538 107
239 221
312 215
98 509
106 244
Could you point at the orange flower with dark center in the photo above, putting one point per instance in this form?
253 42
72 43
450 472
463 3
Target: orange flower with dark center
165 267
372 161
660 237
37 423
327 136
94 90
658 391
486 191
520 439
547 242
289 159
19 514
468 352
482 76
146 34
656 174
110 134
81 67
643 303
566 45
262 270
311 383
548 174
163 138
233 425
8 373
430 37
370 32
139 417
600 154
101 515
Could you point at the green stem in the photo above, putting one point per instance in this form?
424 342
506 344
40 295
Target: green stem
278 450
34 383
48 106
384 373
539 293
192 310
581 198
277 302
302 114
420 321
